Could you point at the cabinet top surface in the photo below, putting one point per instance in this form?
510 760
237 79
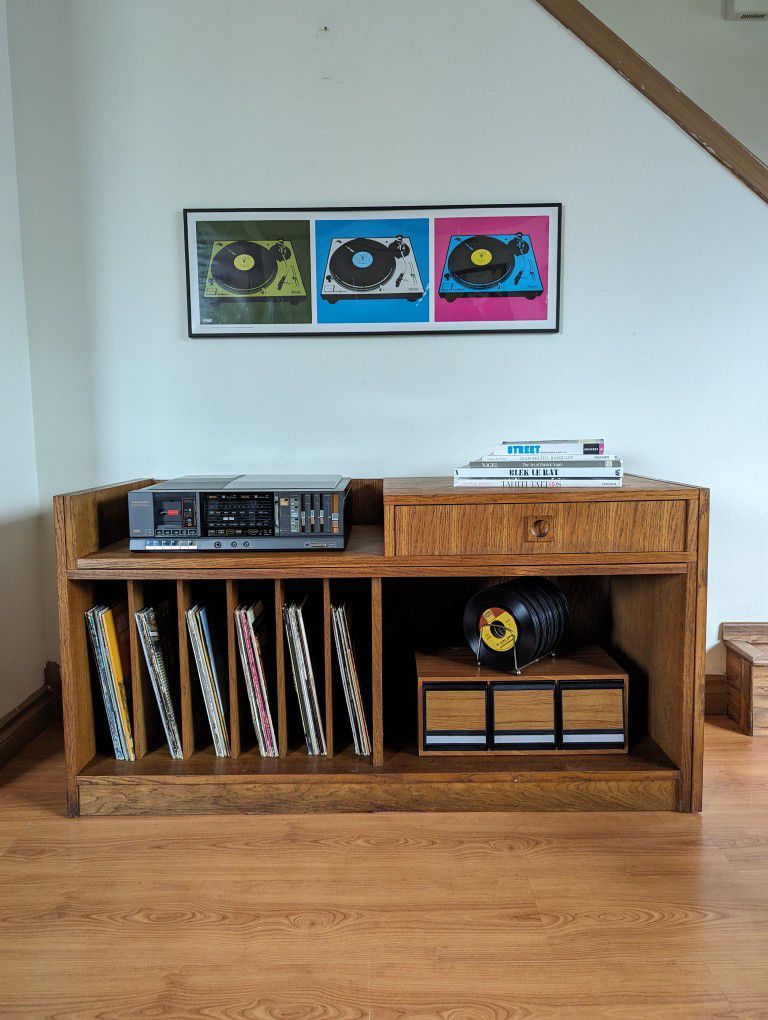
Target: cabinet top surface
442 490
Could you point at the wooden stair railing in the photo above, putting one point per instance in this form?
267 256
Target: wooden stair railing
702 128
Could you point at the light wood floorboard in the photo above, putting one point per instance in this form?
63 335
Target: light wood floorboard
452 917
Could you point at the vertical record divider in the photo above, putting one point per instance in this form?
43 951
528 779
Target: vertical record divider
377 743
282 716
183 602
140 684
232 661
328 666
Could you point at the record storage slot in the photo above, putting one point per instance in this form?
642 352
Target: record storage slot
355 595
106 593
243 733
148 734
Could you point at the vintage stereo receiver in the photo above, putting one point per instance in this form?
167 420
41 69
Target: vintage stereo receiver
240 512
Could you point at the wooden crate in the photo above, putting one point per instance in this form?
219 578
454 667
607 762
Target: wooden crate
746 668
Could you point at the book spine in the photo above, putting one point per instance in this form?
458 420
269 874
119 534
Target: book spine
543 461
529 483
531 446
539 472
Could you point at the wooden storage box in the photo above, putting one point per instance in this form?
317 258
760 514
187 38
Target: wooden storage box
746 667
561 705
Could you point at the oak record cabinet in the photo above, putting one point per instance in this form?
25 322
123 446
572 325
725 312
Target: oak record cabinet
632 562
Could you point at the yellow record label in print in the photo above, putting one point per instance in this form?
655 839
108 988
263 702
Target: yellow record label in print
481 257
498 629
244 262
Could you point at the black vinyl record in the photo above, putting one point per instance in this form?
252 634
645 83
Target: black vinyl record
542 611
547 595
498 624
481 261
362 264
513 624
243 266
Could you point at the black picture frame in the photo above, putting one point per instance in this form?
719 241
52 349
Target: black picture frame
303 244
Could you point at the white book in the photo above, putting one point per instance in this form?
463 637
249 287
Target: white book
527 483
473 471
583 447
544 458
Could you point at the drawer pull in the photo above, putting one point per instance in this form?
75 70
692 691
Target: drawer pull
540 527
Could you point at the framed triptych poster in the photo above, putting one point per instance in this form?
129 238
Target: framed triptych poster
315 272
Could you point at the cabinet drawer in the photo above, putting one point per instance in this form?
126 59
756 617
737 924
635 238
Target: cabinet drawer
496 529
593 715
454 717
523 716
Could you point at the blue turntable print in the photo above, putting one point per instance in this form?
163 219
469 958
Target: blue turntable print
372 270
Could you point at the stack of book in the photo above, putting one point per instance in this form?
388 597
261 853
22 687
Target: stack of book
248 624
154 627
108 632
544 464
349 680
208 671
304 678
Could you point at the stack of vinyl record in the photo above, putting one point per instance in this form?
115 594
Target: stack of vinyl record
511 625
304 678
350 680
209 671
250 633
154 627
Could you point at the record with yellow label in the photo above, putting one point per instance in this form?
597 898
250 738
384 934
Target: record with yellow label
513 624
255 270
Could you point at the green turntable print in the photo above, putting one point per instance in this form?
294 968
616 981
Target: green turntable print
264 270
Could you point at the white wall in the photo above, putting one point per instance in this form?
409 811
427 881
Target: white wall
59 303
663 344
722 65
22 653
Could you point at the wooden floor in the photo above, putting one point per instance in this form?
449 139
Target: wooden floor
458 917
